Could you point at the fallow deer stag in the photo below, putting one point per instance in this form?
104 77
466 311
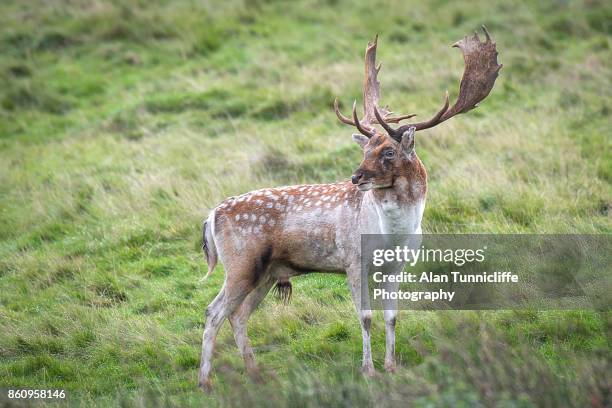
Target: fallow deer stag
268 236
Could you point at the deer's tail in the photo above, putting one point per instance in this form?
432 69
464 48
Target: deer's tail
208 243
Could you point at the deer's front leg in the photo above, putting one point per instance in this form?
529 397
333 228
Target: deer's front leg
390 312
365 319
390 320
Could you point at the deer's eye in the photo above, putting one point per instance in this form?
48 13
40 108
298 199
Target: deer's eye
389 154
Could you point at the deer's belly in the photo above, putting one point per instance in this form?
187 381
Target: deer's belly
316 255
319 244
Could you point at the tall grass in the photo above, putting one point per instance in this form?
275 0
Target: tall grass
123 123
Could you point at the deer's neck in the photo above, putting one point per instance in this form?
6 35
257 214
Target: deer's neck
399 209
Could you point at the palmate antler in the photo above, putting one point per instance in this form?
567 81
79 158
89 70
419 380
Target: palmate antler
481 70
371 96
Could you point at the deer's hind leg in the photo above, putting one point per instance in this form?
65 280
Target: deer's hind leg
219 309
239 320
242 277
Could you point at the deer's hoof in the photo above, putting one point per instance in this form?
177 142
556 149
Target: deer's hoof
256 375
206 385
391 368
368 371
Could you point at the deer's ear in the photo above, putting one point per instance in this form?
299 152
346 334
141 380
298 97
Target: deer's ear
361 140
407 142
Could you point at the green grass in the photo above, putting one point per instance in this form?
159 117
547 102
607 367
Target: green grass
123 123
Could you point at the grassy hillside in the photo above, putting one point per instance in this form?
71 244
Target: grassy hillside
123 123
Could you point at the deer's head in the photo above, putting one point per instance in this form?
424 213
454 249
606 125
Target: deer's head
389 153
384 159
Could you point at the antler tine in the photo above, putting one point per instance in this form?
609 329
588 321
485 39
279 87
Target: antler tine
398 119
340 116
384 124
391 119
484 28
361 129
429 123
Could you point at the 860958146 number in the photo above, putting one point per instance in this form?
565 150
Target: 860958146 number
36 394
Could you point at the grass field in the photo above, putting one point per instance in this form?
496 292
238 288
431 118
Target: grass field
123 123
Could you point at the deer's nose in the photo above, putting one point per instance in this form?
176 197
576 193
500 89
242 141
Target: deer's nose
356 177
